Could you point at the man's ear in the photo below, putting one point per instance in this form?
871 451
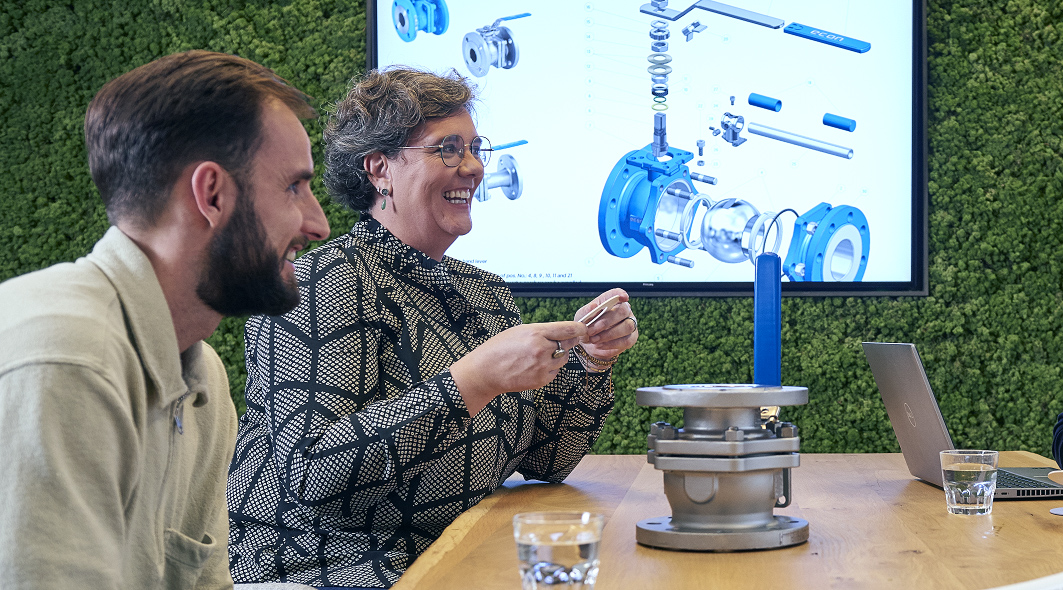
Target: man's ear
376 168
214 191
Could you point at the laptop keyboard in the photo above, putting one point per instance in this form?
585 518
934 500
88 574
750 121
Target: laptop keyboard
1007 479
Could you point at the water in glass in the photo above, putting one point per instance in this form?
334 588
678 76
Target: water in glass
567 563
969 487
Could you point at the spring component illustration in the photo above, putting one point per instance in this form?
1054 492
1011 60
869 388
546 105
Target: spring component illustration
659 60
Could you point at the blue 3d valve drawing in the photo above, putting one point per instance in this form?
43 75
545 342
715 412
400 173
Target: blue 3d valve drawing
506 177
829 244
410 16
641 206
492 45
649 200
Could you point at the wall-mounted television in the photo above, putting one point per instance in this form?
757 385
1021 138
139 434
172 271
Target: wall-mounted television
662 146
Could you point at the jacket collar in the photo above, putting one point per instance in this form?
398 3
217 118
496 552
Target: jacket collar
401 257
148 318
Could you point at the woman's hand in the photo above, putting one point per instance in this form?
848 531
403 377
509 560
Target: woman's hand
615 331
522 357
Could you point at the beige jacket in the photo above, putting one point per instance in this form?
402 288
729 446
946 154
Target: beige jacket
113 445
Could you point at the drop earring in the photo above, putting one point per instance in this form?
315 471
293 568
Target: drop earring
384 203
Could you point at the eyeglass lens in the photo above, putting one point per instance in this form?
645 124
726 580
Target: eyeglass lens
453 149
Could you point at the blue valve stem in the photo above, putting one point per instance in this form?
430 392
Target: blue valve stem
767 320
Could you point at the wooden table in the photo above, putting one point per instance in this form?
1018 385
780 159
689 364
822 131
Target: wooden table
871 525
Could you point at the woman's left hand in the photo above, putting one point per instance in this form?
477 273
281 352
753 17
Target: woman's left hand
615 331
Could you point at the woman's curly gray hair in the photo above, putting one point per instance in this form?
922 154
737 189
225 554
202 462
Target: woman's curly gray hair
379 113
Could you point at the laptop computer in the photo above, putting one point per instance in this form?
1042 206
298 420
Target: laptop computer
916 418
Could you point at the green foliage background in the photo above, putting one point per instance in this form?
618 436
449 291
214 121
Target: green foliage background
990 332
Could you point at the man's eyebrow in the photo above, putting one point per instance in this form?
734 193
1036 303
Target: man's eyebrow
304 175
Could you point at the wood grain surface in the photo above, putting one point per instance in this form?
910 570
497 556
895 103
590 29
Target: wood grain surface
871 525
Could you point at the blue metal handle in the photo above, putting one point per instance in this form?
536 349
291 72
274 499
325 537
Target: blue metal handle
767 320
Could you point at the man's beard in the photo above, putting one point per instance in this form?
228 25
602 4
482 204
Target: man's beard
243 274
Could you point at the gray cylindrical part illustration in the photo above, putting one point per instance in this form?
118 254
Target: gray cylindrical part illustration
703 178
801 140
765 102
668 235
679 192
839 122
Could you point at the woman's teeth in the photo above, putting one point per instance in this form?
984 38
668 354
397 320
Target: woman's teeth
456 197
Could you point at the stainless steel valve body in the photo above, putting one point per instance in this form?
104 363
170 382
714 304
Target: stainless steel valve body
726 470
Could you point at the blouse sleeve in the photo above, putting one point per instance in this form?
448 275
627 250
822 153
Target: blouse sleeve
570 412
314 377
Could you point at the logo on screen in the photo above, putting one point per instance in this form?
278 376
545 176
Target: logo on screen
908 412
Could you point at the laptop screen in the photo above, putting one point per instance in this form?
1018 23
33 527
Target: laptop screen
912 408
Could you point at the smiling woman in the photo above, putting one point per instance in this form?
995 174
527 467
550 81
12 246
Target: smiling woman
404 388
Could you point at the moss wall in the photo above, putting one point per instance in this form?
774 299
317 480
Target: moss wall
990 333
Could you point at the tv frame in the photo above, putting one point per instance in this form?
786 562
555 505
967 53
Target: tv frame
916 287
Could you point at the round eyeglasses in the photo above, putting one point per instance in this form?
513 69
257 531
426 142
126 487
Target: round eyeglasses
452 149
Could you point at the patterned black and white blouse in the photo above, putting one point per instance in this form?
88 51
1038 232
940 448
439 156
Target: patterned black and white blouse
357 449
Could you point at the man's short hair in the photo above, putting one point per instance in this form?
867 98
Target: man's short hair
144 127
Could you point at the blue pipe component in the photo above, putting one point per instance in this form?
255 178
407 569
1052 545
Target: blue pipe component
765 102
767 320
839 122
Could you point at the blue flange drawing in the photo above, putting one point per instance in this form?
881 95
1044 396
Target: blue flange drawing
829 244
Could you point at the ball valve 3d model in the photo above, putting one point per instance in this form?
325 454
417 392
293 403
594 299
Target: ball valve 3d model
410 16
492 45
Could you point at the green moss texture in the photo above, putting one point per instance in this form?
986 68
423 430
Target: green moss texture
990 332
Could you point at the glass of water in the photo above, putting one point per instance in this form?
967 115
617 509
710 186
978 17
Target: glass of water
970 479
558 549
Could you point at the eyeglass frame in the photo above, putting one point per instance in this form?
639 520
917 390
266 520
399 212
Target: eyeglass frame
461 150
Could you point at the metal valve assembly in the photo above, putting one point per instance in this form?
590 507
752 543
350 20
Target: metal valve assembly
492 45
725 471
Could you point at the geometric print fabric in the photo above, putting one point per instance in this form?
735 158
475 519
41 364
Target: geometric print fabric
356 449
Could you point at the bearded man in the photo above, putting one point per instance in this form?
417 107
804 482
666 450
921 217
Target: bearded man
116 425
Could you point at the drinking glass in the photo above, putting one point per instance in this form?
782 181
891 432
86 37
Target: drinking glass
970 479
558 549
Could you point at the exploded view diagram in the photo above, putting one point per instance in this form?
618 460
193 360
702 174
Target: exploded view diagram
659 197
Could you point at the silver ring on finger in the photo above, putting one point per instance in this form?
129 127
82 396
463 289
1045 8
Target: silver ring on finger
560 350
633 320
